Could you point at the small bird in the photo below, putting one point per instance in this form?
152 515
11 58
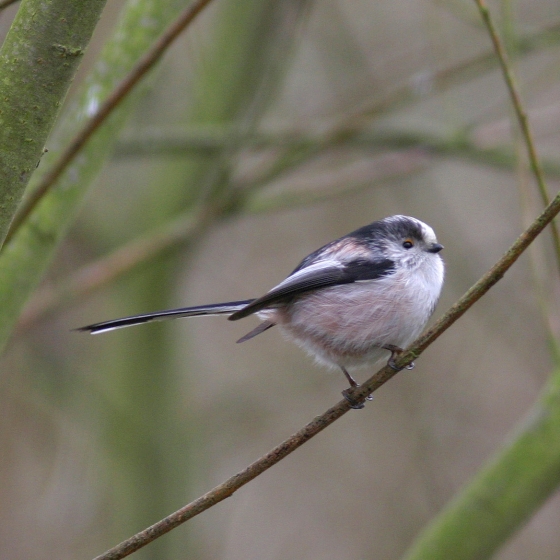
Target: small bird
347 303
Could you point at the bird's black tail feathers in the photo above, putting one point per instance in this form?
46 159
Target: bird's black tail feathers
213 309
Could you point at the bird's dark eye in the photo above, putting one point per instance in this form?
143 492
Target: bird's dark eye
408 244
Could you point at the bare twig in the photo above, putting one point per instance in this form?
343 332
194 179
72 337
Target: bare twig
521 116
227 488
145 64
346 126
425 83
154 142
418 86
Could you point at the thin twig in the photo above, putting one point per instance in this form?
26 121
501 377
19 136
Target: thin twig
344 129
521 116
145 64
227 488
171 143
423 83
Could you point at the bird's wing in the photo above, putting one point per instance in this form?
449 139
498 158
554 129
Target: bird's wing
318 275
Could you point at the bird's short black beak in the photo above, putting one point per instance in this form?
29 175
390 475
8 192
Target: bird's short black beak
435 248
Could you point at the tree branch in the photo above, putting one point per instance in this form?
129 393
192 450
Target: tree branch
521 114
102 271
506 491
38 60
146 63
227 488
24 259
201 140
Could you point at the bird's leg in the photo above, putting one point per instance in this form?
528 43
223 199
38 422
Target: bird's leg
351 380
396 351
353 383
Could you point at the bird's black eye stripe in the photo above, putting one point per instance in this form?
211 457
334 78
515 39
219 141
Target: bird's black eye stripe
408 244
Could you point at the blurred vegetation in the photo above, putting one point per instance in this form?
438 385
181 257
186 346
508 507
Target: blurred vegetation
267 130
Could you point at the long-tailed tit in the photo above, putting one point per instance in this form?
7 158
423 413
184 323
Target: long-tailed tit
349 302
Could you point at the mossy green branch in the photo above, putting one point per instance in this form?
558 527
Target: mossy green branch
25 258
38 61
505 493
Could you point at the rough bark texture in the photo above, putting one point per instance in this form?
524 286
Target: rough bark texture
38 61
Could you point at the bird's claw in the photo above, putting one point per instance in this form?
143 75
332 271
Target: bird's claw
396 351
356 405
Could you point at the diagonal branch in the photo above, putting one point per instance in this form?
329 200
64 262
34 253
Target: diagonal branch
521 115
505 491
146 63
102 271
38 61
227 488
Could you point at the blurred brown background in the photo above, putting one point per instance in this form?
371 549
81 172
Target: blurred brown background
102 436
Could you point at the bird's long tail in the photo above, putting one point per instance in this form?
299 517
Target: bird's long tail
213 309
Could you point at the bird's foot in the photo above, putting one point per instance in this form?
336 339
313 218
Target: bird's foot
396 351
356 405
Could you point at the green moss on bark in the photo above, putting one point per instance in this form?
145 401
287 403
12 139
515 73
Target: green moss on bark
38 61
